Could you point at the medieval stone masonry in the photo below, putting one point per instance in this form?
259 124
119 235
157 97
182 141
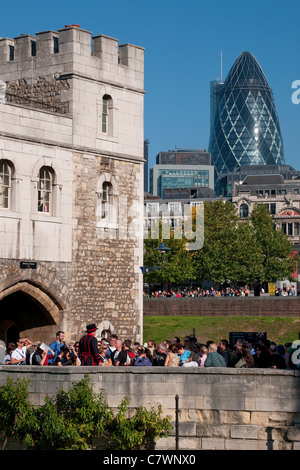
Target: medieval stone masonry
71 185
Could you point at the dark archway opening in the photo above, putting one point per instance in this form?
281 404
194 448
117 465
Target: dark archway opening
18 312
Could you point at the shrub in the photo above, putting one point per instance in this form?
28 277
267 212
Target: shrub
72 419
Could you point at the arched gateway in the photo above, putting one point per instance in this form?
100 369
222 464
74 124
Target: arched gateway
25 306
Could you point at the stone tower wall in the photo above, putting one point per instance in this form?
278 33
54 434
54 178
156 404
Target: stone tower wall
51 115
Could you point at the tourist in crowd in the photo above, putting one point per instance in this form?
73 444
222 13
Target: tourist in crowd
223 350
160 355
278 361
172 359
143 357
246 358
112 345
238 348
192 360
214 359
262 356
203 355
56 345
67 357
39 356
9 350
105 358
184 354
18 355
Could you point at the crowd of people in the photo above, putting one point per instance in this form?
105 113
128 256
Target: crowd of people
198 292
285 291
112 351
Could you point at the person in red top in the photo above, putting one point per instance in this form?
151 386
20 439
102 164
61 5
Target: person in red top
88 347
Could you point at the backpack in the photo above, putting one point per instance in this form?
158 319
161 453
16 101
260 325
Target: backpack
130 358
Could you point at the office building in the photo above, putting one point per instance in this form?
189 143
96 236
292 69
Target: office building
181 169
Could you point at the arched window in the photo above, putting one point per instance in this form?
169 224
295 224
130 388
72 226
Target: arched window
107 206
106 114
5 185
244 211
45 190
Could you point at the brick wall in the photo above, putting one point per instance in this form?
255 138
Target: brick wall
225 306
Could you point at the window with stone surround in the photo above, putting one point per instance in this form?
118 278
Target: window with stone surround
244 211
106 115
107 202
5 184
45 190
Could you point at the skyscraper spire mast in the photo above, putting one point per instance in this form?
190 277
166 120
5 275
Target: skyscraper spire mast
221 79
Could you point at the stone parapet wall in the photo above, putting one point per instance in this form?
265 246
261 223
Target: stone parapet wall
219 409
223 306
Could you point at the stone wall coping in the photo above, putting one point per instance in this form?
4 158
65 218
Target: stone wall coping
77 371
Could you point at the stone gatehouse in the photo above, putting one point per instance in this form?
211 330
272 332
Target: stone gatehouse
71 185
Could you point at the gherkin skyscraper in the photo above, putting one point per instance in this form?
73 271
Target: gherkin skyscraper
244 127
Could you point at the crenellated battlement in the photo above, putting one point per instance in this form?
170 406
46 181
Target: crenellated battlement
67 51
92 79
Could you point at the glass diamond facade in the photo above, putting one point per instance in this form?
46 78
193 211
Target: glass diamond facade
244 128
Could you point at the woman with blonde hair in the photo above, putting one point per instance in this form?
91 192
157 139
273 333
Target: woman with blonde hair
203 352
105 359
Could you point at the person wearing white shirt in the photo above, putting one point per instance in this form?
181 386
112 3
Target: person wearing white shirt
18 356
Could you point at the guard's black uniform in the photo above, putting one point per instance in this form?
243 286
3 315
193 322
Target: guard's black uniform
88 351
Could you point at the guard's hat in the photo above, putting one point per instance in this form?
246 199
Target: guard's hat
91 328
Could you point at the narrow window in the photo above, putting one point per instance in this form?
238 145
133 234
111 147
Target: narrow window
244 211
33 48
273 208
45 190
11 52
106 199
5 185
283 226
55 46
105 112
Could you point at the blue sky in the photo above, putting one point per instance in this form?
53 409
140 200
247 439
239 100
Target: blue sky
183 43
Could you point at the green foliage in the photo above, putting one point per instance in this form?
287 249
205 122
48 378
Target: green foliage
139 432
251 251
71 420
179 265
276 250
17 417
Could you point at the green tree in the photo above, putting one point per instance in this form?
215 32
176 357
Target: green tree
251 251
215 260
247 259
278 259
179 266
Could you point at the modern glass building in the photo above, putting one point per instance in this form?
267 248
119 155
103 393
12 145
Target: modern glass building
181 169
244 125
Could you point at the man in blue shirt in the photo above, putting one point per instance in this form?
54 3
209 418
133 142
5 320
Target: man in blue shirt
184 355
56 345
